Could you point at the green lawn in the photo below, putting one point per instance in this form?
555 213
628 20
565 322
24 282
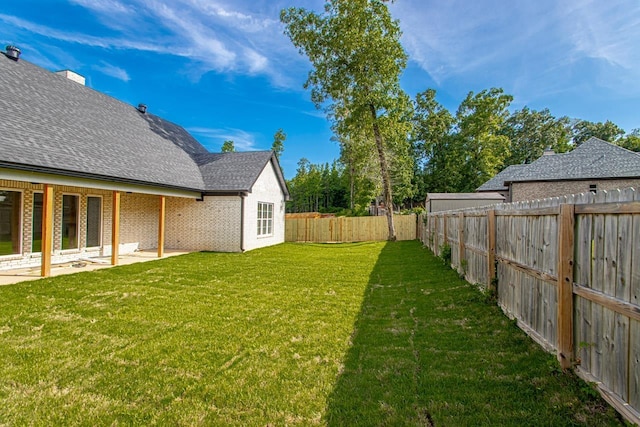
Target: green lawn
359 334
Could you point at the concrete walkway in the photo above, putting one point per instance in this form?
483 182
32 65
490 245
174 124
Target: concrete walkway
9 277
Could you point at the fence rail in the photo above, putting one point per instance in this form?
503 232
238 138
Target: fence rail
349 229
568 269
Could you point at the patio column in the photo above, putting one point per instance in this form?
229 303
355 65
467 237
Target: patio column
47 230
115 227
161 225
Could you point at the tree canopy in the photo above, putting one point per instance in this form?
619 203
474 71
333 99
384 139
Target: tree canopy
228 147
355 51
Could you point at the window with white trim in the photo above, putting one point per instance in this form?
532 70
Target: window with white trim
265 219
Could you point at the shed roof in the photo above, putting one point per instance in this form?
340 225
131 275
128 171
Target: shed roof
465 196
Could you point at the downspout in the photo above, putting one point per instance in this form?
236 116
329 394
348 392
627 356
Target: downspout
242 196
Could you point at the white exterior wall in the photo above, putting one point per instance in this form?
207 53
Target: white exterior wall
210 225
267 190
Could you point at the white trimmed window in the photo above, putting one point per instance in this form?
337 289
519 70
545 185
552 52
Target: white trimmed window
10 222
265 219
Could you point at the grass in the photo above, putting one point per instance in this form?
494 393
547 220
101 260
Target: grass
358 334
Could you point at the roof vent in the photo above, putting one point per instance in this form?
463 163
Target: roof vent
12 52
548 152
142 108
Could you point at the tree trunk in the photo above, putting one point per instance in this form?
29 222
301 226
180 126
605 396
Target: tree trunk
384 170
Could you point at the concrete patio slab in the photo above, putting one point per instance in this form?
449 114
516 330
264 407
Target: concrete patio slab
9 277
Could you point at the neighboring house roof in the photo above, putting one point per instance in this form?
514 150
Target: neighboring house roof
465 196
497 183
55 125
237 171
593 159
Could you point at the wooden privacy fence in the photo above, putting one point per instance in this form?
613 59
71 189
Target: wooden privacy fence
349 229
568 269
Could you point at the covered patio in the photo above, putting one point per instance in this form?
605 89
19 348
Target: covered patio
12 276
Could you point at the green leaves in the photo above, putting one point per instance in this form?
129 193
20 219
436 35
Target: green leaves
356 55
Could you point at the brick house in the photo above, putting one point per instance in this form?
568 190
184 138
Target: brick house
593 165
84 175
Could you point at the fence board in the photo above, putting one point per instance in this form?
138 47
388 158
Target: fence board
606 272
352 229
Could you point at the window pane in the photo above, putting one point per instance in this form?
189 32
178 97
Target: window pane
94 221
36 228
69 222
10 222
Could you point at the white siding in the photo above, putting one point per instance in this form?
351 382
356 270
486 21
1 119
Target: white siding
266 190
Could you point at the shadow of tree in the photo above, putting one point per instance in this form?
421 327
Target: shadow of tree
428 350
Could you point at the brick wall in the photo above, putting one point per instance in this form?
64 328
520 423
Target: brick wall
139 215
521 191
210 225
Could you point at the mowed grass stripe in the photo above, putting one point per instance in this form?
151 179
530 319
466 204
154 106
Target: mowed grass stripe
354 334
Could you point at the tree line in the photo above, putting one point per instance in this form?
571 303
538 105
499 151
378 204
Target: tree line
448 153
398 148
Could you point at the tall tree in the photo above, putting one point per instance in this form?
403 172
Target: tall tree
631 141
480 118
278 142
531 132
607 131
433 145
228 147
354 48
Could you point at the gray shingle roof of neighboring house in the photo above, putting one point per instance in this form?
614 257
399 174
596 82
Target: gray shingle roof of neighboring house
497 183
593 159
54 125
236 171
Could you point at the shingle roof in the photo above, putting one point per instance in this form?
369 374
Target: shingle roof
593 159
497 183
236 171
55 125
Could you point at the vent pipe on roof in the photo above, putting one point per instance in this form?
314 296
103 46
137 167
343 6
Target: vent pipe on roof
548 152
142 108
12 52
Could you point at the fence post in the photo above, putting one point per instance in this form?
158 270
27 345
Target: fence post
445 239
566 221
461 241
436 237
491 249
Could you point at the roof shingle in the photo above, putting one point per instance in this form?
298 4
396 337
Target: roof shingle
52 124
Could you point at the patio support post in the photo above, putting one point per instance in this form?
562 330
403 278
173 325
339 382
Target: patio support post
115 227
47 230
161 225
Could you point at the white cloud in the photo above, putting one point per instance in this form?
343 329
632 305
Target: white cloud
113 71
214 137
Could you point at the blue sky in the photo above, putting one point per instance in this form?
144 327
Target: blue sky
224 69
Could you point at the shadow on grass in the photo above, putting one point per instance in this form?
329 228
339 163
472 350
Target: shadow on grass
428 350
